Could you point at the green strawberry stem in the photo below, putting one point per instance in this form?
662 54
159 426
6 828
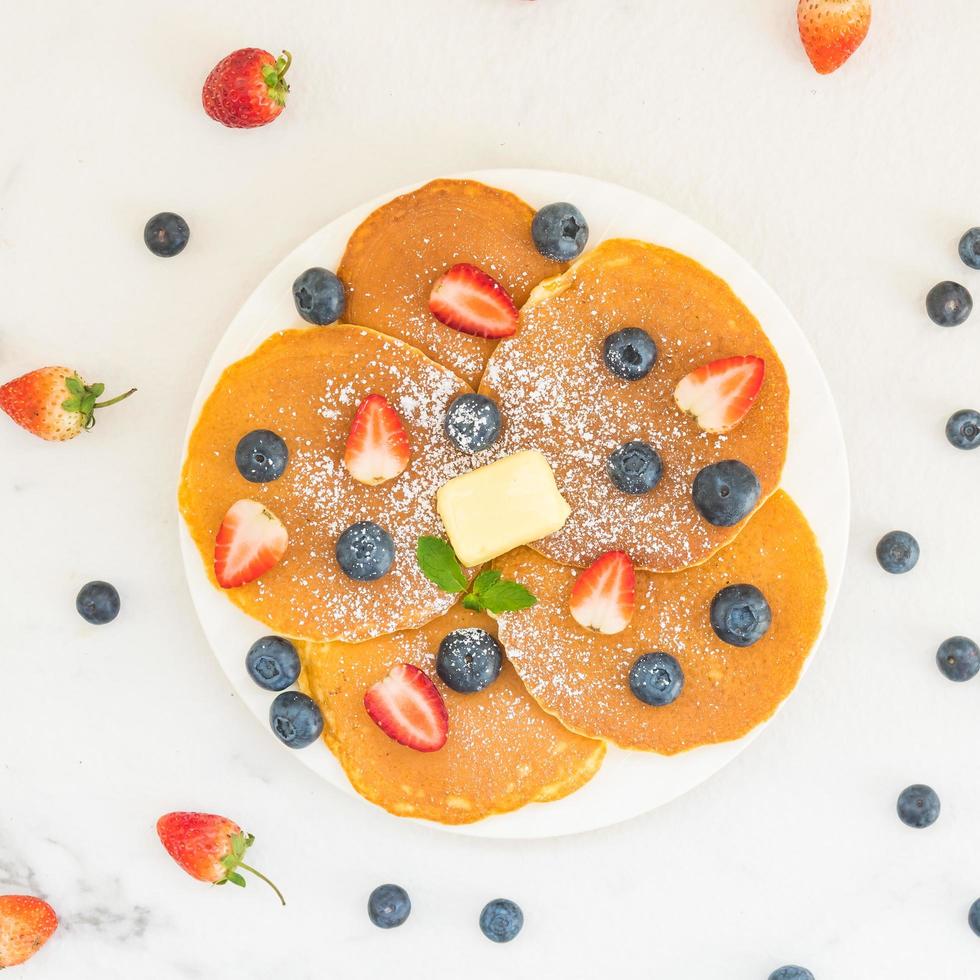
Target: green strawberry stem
112 401
258 874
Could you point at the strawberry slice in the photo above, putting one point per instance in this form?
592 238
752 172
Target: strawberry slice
377 446
720 394
250 541
408 707
467 299
604 595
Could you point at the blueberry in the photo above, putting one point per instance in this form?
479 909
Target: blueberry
970 248
469 659
629 353
365 551
319 296
473 422
272 663
963 429
949 304
560 232
635 467
261 456
726 492
958 658
974 917
501 920
918 806
166 234
897 552
791 973
97 603
656 678
296 719
389 906
740 615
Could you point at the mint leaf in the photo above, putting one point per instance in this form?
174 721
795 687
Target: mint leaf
474 602
507 597
439 564
486 579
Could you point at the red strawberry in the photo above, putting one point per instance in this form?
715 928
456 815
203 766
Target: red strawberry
208 847
832 30
26 924
250 541
54 402
604 595
407 707
720 394
467 299
246 89
377 446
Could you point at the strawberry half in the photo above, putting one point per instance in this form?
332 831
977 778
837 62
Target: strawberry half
720 394
408 707
832 30
26 924
377 447
467 299
250 541
604 595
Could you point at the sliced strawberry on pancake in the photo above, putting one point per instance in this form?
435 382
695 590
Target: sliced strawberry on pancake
720 394
250 541
408 708
467 299
604 595
377 447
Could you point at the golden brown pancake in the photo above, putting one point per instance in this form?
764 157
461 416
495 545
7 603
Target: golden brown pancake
502 752
556 395
306 385
399 251
582 677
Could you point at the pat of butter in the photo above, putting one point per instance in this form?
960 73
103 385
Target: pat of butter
498 507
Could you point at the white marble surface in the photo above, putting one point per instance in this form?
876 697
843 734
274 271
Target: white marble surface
848 193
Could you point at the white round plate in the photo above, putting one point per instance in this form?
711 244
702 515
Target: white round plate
629 783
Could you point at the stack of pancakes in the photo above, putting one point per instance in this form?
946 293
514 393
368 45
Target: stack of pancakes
540 731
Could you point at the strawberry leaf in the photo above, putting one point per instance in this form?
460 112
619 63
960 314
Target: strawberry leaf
507 597
439 564
236 879
75 386
96 389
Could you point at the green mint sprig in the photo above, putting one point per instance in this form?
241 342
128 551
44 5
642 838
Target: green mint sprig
490 591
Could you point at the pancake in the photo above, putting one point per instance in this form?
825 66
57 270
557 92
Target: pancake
503 751
306 385
582 677
399 251
556 395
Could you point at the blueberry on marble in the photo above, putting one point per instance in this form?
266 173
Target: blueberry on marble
97 603
974 917
472 422
958 658
970 248
296 719
918 806
897 552
319 296
726 492
949 304
560 232
740 615
273 663
501 920
469 659
635 467
629 353
166 234
389 906
791 973
963 429
261 456
656 678
365 551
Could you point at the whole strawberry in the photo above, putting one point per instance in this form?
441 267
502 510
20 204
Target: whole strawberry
209 848
54 402
246 89
832 30
26 924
